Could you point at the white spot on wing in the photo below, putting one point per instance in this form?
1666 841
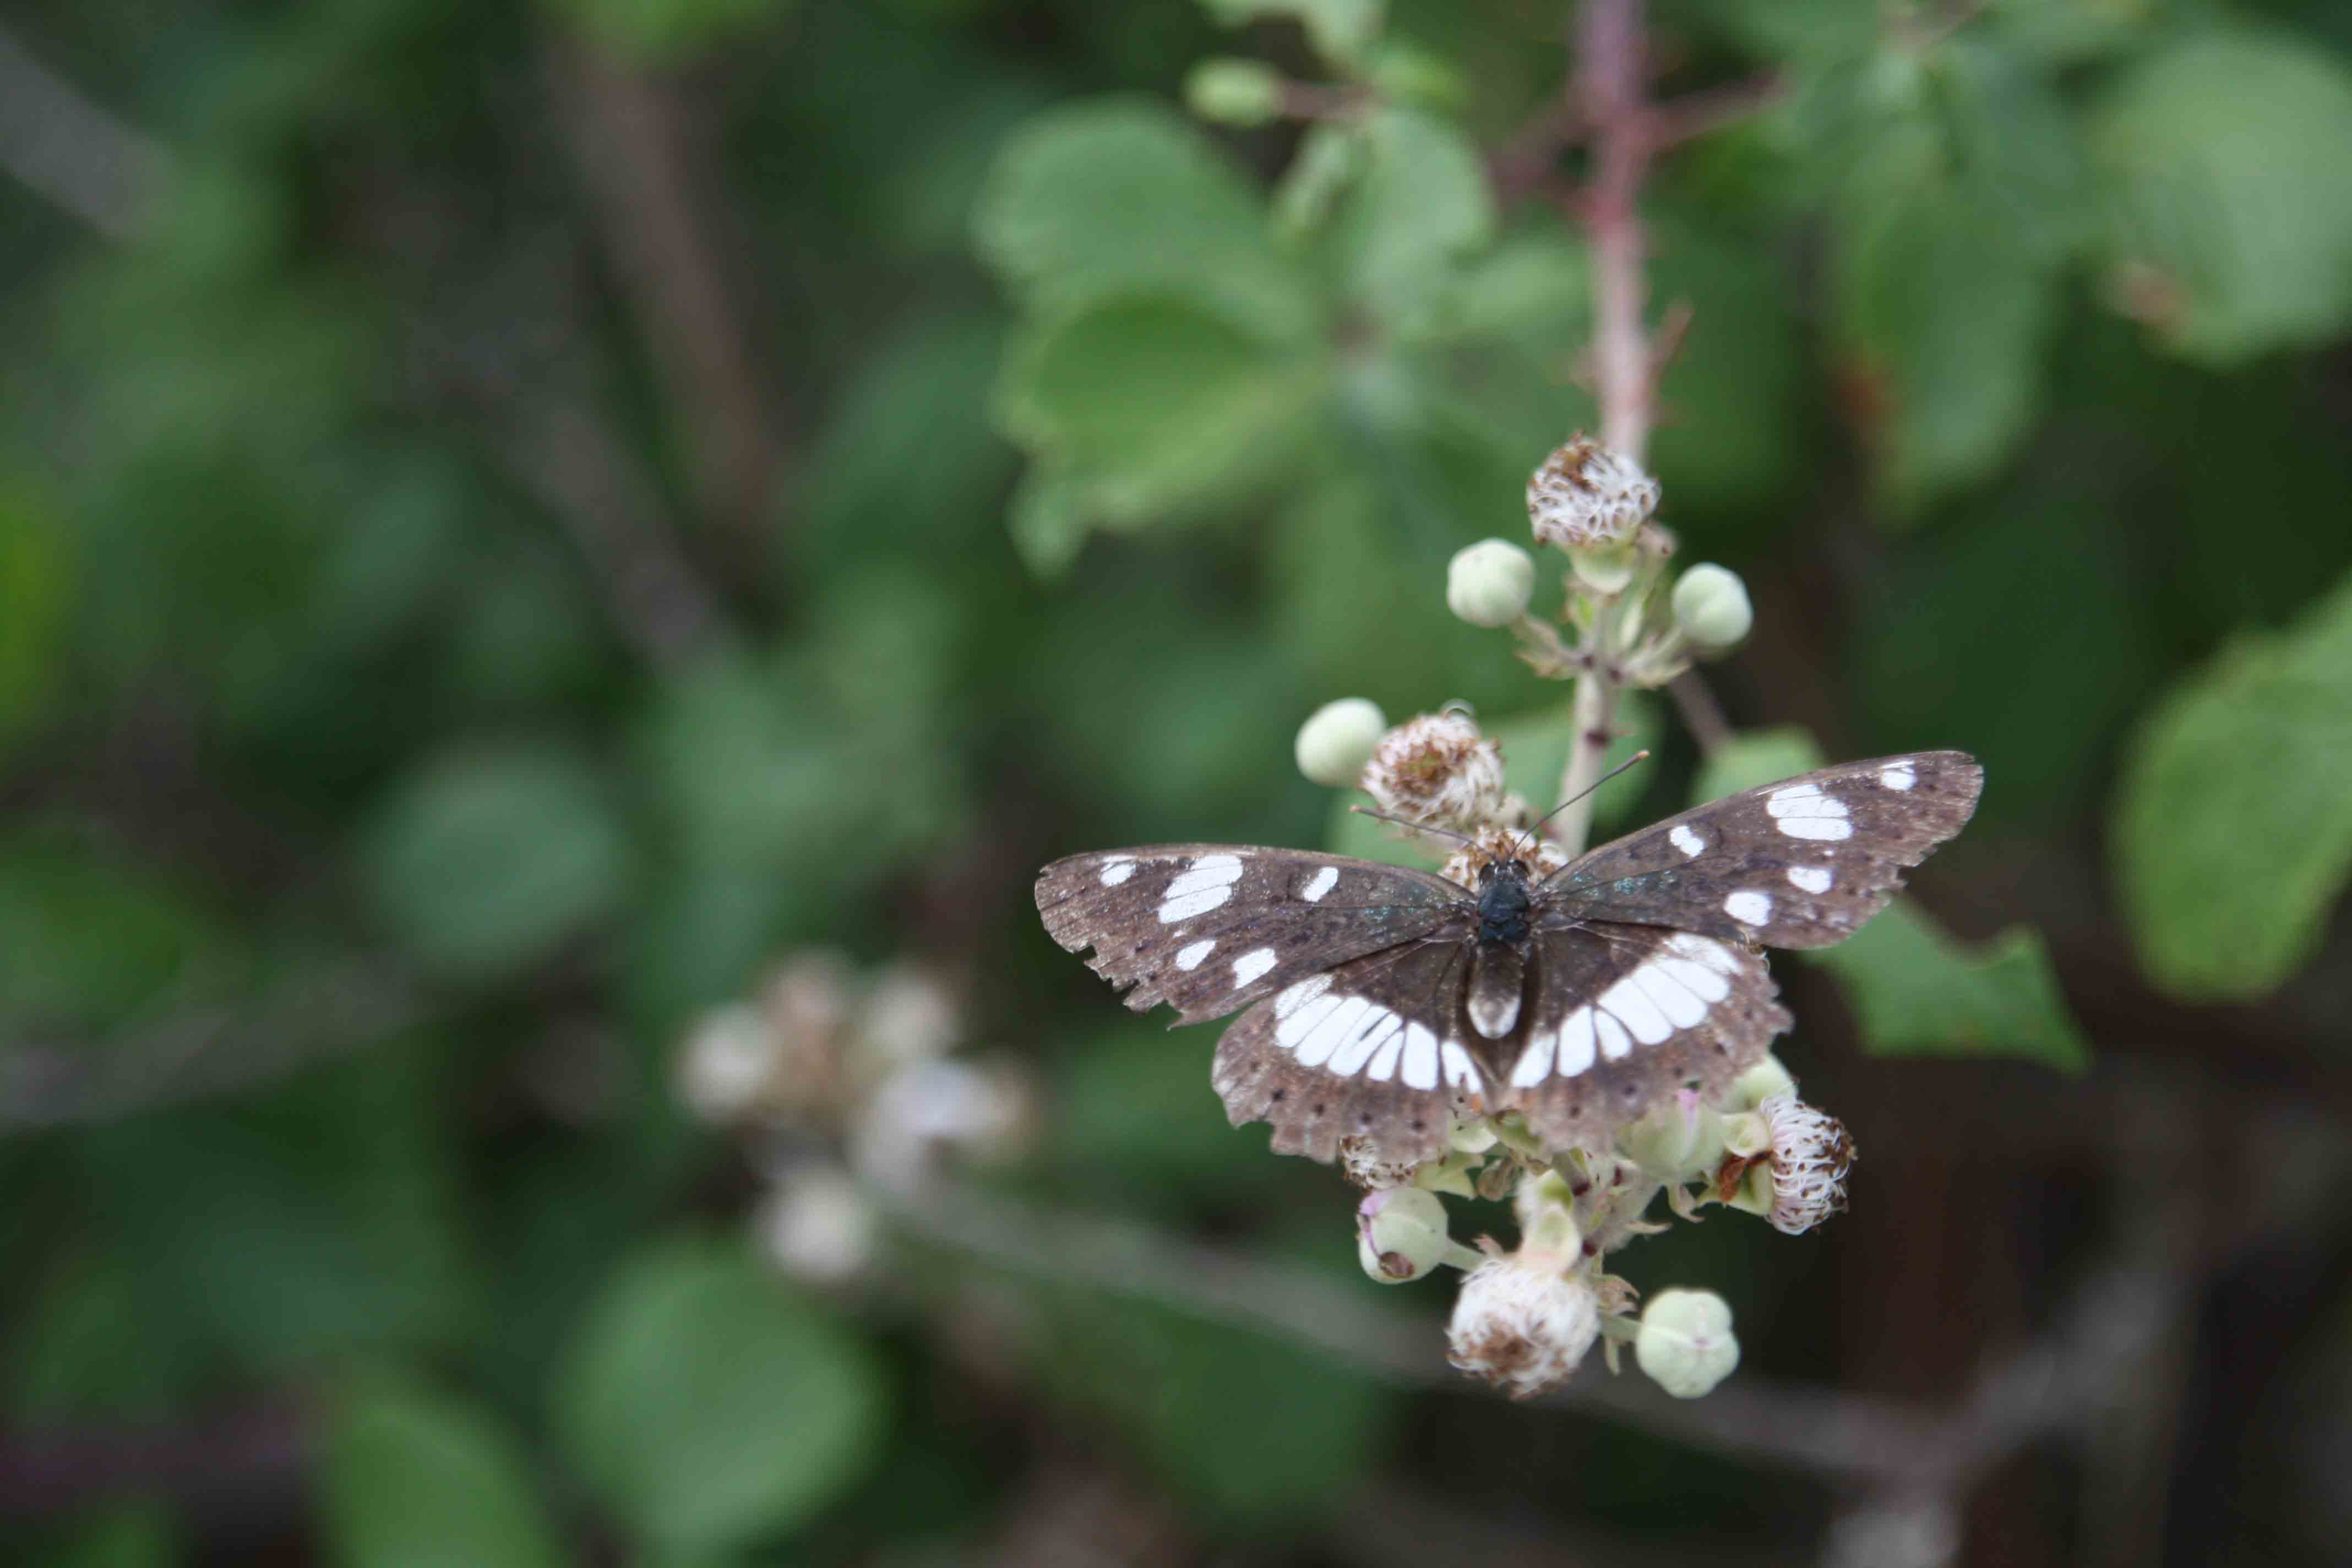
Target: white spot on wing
1696 978
1384 1064
1684 840
1811 878
1114 872
1704 950
1899 775
1328 1024
1802 811
1369 1037
1535 1062
1682 1005
1634 1008
1460 1072
1189 956
1615 1042
1576 1042
1748 907
1420 1057
1320 883
1249 966
1295 996
1200 887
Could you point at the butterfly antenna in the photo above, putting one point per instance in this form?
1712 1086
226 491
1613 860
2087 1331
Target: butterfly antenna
1408 822
1532 833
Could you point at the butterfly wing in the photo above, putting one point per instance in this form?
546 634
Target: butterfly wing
1372 1053
1211 928
1801 863
1622 1016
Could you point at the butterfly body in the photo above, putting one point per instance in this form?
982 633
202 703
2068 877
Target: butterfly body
1379 1002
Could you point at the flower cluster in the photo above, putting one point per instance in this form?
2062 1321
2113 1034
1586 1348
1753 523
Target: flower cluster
1527 1316
845 1079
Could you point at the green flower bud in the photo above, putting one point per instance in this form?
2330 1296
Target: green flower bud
1757 1085
1337 738
1487 584
1409 75
1401 1234
1711 606
1685 1344
1234 93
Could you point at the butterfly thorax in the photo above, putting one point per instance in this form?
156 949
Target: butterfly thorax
1502 904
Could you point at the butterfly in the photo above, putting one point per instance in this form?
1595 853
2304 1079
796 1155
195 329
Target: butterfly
1384 1002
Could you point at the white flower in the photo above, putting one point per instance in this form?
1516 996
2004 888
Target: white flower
908 1016
1492 847
1488 583
931 1105
1401 1234
1587 497
1711 606
1521 1325
816 1224
1436 768
1337 738
1801 1181
727 1062
1686 1344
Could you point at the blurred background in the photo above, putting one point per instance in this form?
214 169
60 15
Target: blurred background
562 565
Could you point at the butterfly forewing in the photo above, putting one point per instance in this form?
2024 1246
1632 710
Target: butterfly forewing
1375 1050
1622 1017
1211 928
1801 863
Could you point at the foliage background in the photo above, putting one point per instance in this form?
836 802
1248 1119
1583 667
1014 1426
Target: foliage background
512 518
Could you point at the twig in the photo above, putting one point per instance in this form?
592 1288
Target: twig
637 146
1609 79
1702 714
102 171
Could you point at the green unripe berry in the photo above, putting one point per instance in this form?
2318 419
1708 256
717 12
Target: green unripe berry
1685 1344
1711 606
1336 740
1488 583
1234 93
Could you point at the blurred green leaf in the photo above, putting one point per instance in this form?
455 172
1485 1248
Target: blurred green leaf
36 592
710 1405
1945 311
1418 209
1739 414
1342 30
1135 1108
1126 197
413 1476
90 938
2229 220
2233 824
121 1535
670 32
487 859
282 1230
1146 404
1248 1429
1914 991
86 1350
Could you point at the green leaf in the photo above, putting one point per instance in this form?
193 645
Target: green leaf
36 592
1419 207
411 1477
1124 196
1342 30
1145 403
710 1405
2228 216
485 861
2233 826
1247 1428
1741 405
87 937
671 32
119 1535
1915 990
1945 309
1135 1108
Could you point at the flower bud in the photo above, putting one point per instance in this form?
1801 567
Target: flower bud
1234 92
1757 1085
818 1225
1711 606
1436 768
1338 740
1587 497
1685 1344
1488 583
1522 1325
1401 1234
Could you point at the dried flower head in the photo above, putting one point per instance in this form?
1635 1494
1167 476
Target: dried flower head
1810 1156
1357 1164
1497 846
1521 1325
1589 497
1437 768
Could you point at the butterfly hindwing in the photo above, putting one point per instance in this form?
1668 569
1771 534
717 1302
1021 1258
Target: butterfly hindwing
1211 928
1620 1017
1375 1050
1801 863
